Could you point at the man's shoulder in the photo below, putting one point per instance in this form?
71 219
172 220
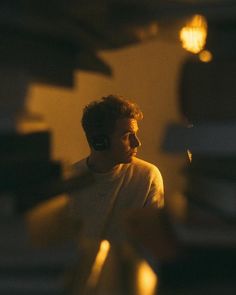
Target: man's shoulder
143 165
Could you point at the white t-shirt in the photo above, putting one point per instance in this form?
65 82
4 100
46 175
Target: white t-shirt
102 205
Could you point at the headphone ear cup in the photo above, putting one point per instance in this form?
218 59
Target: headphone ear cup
100 142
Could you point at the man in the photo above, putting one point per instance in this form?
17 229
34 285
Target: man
121 181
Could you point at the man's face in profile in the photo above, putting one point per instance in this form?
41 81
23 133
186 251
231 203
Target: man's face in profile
124 141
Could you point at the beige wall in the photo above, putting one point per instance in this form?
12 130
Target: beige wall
146 73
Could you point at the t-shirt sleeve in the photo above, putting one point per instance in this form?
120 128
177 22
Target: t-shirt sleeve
155 197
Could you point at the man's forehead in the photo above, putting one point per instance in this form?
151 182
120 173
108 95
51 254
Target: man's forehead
126 124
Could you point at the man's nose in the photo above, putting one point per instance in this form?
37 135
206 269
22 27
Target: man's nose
135 142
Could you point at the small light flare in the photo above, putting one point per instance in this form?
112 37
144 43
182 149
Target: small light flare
147 31
98 263
146 280
190 156
193 35
205 56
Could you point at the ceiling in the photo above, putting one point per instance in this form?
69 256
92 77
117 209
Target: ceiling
52 38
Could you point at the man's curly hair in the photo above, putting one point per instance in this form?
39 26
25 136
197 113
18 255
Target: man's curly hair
99 117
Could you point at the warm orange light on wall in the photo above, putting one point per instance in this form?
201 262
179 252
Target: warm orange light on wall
193 35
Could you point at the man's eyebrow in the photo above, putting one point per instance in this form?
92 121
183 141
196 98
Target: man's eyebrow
130 131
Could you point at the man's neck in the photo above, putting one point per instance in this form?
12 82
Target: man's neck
99 163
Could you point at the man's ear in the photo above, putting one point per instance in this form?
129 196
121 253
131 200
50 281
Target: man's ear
99 142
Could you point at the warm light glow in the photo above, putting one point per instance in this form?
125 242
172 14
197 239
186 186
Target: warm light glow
98 263
193 35
205 56
190 156
146 280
